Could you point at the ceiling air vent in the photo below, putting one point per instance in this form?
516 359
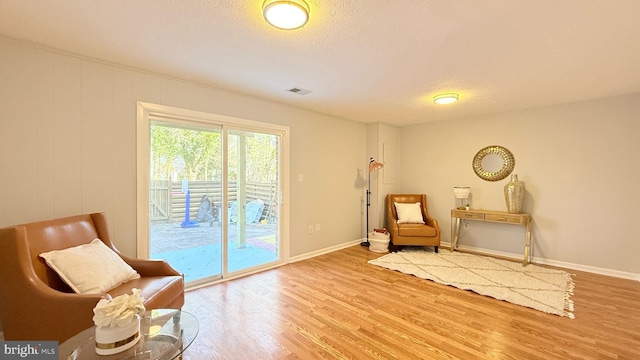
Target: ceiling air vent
299 91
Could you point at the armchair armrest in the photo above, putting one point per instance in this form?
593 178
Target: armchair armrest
50 308
433 223
149 267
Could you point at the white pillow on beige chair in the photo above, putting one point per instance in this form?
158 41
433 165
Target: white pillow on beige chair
409 213
91 268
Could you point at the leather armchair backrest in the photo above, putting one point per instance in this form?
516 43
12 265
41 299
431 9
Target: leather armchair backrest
404 198
38 237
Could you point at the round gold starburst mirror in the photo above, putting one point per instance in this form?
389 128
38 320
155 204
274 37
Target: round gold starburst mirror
493 163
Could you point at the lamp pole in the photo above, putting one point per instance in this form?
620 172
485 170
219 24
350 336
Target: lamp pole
373 165
366 230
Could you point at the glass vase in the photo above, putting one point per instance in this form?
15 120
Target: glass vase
514 195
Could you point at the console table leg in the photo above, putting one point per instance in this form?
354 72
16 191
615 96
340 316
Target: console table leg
454 233
527 244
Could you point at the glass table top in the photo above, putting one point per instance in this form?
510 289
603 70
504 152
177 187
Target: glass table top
165 334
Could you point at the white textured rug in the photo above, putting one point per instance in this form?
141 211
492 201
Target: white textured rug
539 288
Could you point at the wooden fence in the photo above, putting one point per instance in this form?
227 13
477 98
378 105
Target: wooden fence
168 202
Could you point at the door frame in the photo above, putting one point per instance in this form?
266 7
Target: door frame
146 111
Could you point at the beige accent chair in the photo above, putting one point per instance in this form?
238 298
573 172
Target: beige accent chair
35 304
427 234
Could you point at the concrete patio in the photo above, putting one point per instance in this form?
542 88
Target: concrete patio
197 251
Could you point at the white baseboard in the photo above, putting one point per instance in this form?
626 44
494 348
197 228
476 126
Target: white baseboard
286 261
562 264
327 250
517 257
514 256
587 268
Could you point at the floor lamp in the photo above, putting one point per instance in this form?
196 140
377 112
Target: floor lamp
373 166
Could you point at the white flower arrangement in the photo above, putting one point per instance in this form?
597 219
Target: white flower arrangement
120 311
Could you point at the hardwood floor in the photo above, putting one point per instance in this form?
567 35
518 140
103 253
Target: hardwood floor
336 306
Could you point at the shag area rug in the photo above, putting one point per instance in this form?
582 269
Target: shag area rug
547 290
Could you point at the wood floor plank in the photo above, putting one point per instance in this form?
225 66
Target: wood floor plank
336 306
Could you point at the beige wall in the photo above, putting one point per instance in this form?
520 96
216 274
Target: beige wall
68 145
580 167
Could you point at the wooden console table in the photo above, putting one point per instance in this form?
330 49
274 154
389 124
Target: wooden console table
491 216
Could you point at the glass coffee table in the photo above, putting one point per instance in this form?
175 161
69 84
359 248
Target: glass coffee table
165 334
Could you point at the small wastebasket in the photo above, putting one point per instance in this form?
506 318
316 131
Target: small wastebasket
379 242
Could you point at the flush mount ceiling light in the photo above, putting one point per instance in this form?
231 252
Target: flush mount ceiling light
444 99
286 14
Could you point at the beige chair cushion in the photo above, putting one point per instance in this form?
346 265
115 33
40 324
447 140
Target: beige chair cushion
416 230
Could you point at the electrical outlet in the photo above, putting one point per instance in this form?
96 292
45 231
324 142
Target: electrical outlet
317 227
310 229
465 225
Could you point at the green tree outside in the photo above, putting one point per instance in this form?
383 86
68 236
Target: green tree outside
178 153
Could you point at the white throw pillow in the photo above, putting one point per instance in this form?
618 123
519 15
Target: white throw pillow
409 213
90 268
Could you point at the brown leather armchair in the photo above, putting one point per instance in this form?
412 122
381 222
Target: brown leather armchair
427 234
35 304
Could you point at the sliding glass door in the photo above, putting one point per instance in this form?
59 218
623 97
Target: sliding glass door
185 198
214 195
252 230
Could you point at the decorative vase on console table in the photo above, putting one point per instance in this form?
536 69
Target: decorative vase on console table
514 195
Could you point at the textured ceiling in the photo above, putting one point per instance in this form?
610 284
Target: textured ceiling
365 60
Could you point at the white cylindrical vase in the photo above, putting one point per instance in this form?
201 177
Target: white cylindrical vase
114 339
